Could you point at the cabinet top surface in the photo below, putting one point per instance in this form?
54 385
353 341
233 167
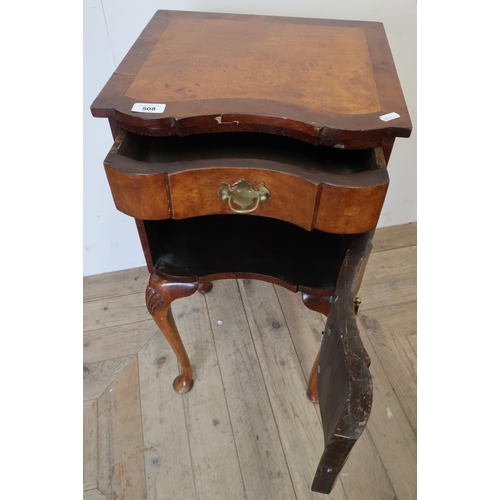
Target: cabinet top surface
324 81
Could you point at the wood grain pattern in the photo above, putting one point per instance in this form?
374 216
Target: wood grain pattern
394 262
345 387
324 81
121 460
412 340
383 293
350 211
390 278
158 178
390 429
400 317
201 198
166 440
151 187
114 311
363 475
89 445
204 66
373 466
399 363
215 462
116 341
93 495
294 414
390 238
342 80
159 296
265 471
142 196
99 375
116 283
321 304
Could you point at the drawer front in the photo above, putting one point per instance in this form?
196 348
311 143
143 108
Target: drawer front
332 191
142 196
351 210
196 192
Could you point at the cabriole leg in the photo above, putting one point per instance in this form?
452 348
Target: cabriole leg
160 294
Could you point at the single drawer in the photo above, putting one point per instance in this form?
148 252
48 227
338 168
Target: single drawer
333 190
248 189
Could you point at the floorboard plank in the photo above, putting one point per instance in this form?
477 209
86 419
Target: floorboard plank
215 460
390 279
412 340
298 423
364 475
89 445
400 262
390 429
100 286
117 341
401 317
263 465
113 311
119 434
398 362
93 495
381 293
389 238
305 327
139 435
98 376
167 458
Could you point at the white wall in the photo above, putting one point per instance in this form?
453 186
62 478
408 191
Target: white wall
110 28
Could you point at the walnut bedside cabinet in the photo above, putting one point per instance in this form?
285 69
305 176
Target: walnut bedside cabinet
256 147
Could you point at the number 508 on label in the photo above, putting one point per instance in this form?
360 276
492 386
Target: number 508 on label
144 107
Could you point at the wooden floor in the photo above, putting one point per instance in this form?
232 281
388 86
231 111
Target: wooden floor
246 430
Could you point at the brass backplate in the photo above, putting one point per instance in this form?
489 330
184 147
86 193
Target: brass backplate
243 194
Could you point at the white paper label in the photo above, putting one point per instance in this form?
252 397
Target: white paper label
389 116
143 107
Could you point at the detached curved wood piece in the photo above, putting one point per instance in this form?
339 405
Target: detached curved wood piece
344 382
321 304
160 294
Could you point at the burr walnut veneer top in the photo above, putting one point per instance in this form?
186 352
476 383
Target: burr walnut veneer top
323 81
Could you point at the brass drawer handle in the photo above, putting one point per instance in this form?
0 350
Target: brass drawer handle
244 194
